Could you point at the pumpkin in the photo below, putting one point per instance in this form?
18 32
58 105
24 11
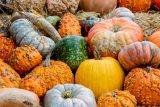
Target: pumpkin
69 25
72 50
100 6
89 22
156 4
123 12
144 84
14 97
6 47
155 37
136 5
24 58
9 78
111 35
117 99
100 75
69 95
139 54
24 34
53 20
45 77
60 7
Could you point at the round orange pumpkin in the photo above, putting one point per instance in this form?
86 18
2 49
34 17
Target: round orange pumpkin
144 84
42 78
136 5
139 54
6 47
111 35
155 38
100 6
117 99
24 58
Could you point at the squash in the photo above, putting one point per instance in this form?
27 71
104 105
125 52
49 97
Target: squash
9 78
24 58
155 37
139 54
69 95
99 6
24 34
117 99
111 35
44 77
6 47
72 50
100 75
14 97
69 25
60 7
144 84
136 5
123 12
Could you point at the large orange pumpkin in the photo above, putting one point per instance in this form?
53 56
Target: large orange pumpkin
111 35
136 5
144 84
155 38
100 6
139 54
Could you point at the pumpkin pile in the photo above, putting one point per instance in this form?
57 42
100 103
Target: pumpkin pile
79 53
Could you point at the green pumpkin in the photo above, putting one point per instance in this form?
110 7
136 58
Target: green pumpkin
53 20
71 50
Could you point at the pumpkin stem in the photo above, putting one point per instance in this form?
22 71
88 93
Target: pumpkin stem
47 60
67 94
114 94
96 54
149 68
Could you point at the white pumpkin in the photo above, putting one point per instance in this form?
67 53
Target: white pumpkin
69 95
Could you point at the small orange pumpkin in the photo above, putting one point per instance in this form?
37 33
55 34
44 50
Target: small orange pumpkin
144 84
117 99
155 38
24 58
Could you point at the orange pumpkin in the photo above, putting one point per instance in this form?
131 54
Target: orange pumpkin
6 47
24 58
43 78
144 84
117 99
155 38
100 6
111 35
136 5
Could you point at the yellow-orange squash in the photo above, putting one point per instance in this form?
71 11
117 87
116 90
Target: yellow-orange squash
69 25
136 5
101 75
6 47
144 84
9 78
43 78
24 58
117 99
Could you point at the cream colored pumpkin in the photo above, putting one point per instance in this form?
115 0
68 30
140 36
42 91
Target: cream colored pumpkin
101 75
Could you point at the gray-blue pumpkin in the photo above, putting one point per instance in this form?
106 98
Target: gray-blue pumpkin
24 33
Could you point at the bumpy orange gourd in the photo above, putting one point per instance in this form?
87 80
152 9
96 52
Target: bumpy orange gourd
144 84
69 25
43 78
136 5
117 99
155 38
24 58
9 78
111 35
6 47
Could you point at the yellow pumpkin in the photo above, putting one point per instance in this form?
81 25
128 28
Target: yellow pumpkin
100 75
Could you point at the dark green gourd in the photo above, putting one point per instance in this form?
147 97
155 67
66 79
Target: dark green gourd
71 50
25 34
